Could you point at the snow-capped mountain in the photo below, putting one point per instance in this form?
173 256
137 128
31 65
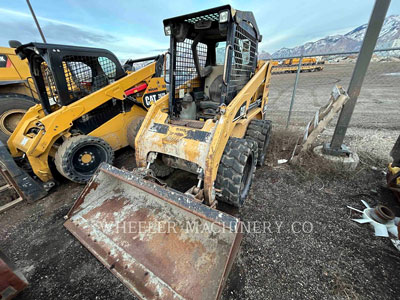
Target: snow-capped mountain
351 41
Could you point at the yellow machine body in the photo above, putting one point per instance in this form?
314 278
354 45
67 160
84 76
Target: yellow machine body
15 76
201 142
393 171
39 147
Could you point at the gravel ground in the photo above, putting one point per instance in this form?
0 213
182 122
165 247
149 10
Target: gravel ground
311 250
331 257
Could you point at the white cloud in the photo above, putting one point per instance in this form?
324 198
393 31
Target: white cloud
20 26
9 12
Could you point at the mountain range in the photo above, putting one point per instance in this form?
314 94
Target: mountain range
389 37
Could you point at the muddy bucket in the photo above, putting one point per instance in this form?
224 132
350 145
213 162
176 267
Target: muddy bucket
162 244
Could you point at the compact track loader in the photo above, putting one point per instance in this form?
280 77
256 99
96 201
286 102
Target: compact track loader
88 104
164 238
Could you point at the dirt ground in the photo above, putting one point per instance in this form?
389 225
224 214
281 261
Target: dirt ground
311 249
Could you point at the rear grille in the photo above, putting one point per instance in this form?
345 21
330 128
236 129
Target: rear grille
244 56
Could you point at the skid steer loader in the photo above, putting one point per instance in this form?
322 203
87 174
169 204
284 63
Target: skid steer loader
167 241
88 104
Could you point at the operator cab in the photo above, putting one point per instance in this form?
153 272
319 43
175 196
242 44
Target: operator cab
213 56
64 74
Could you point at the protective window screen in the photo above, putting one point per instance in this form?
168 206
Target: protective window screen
87 74
244 52
49 83
108 67
185 69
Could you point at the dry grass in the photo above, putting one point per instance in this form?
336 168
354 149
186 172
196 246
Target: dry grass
308 165
282 144
341 287
340 284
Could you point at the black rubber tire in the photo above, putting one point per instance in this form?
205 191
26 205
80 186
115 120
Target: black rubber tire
260 132
160 169
236 171
9 102
66 157
133 129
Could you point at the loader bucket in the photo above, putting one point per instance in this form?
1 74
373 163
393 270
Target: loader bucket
160 243
26 187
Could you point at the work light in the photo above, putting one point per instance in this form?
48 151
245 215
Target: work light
167 30
223 16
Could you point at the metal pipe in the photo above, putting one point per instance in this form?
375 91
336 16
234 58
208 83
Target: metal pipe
336 53
36 21
360 69
142 59
294 90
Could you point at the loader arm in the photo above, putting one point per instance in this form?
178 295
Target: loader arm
241 111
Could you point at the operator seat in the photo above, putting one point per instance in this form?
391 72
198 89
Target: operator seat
212 87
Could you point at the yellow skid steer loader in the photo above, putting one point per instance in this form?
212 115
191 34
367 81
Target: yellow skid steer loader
159 233
88 104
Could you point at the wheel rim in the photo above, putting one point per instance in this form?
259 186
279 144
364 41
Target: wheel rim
86 159
246 179
10 119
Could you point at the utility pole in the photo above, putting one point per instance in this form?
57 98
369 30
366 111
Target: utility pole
376 20
36 21
294 88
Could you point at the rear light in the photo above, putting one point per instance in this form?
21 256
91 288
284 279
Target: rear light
86 84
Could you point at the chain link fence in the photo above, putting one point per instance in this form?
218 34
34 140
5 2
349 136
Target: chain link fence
378 100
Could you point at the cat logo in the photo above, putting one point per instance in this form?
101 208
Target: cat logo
150 98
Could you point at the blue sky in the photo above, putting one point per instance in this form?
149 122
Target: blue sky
134 28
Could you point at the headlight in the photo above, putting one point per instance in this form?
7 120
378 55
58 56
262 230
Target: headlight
167 30
223 16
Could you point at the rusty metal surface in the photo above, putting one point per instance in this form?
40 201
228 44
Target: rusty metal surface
188 123
12 281
160 243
